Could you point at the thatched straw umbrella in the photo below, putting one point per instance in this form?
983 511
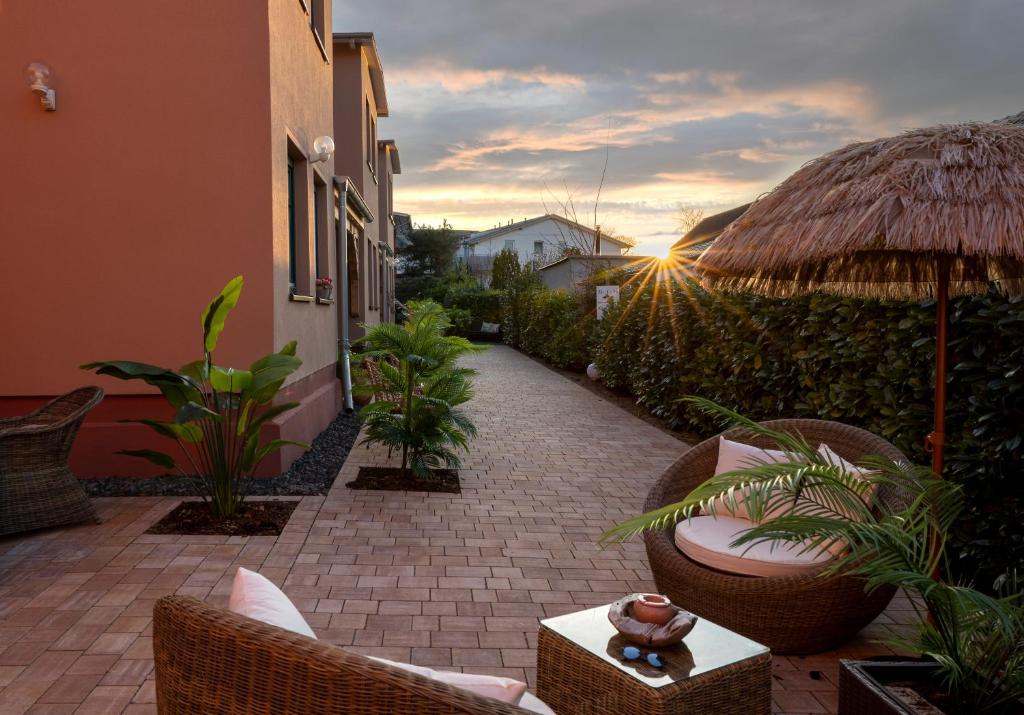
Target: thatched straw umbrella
932 212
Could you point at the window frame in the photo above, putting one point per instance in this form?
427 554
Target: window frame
298 207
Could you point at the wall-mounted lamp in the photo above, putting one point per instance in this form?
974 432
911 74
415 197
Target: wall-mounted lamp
39 77
323 148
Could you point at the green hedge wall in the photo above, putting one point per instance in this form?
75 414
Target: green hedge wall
551 325
861 362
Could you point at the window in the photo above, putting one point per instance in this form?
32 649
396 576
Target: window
538 247
291 226
316 18
510 244
298 222
321 257
371 145
353 275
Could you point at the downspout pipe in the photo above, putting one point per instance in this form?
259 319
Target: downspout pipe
346 366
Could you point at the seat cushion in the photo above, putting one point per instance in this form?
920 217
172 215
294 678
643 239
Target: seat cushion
707 539
736 455
254 596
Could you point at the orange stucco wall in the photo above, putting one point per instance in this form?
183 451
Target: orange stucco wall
158 178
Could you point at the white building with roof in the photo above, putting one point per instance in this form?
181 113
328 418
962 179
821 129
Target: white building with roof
539 240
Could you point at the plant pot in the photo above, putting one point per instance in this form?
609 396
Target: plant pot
865 687
324 292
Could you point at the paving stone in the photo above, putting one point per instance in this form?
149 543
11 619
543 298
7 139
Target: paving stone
448 581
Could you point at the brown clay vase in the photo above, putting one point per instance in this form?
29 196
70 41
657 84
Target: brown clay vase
652 608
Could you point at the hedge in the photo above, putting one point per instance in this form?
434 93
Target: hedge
861 362
551 325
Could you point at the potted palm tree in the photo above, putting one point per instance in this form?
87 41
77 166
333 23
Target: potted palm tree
420 414
970 645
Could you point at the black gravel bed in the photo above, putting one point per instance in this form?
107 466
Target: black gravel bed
310 475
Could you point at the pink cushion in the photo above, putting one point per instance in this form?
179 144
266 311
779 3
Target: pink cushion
736 455
707 539
254 596
506 690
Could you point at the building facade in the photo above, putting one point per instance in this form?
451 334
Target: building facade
360 101
167 169
541 240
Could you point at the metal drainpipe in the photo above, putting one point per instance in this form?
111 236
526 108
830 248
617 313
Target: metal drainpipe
346 368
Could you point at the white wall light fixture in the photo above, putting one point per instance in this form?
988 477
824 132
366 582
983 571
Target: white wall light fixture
39 77
323 149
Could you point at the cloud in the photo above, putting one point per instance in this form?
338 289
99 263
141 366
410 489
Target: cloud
439 73
708 104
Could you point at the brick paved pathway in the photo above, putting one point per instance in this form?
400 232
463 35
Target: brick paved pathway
443 580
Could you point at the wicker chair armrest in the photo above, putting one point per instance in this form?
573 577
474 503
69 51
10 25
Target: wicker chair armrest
32 423
212 660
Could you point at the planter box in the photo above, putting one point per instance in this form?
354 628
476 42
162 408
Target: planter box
863 691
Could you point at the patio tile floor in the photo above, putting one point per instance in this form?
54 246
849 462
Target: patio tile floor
450 581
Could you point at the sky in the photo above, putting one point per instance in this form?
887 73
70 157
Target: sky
505 110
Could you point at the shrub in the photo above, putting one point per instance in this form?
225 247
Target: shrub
866 363
426 423
220 411
552 326
469 304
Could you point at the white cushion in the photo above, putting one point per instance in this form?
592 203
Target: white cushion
255 596
531 702
736 455
506 690
707 539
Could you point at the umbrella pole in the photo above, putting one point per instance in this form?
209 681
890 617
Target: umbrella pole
936 441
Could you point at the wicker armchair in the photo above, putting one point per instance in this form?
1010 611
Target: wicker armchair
37 487
381 388
215 662
792 614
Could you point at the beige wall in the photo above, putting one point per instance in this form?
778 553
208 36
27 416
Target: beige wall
352 91
301 100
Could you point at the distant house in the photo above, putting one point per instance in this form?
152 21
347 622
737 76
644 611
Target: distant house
571 272
539 240
699 238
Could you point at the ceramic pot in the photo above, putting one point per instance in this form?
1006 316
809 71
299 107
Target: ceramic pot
652 608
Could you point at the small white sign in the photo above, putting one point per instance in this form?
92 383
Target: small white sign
606 295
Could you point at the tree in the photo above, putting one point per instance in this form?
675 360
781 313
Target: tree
430 251
688 217
505 270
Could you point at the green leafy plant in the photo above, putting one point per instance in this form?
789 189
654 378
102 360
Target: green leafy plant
505 271
865 363
552 325
219 411
426 423
976 639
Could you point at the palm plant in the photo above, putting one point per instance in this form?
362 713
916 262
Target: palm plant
220 411
423 420
976 639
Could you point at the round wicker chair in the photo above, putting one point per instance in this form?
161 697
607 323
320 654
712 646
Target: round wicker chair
37 487
791 614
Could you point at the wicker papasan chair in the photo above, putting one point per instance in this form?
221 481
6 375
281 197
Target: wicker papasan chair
792 615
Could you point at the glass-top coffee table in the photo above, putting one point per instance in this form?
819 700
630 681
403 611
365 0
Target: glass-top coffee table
581 670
